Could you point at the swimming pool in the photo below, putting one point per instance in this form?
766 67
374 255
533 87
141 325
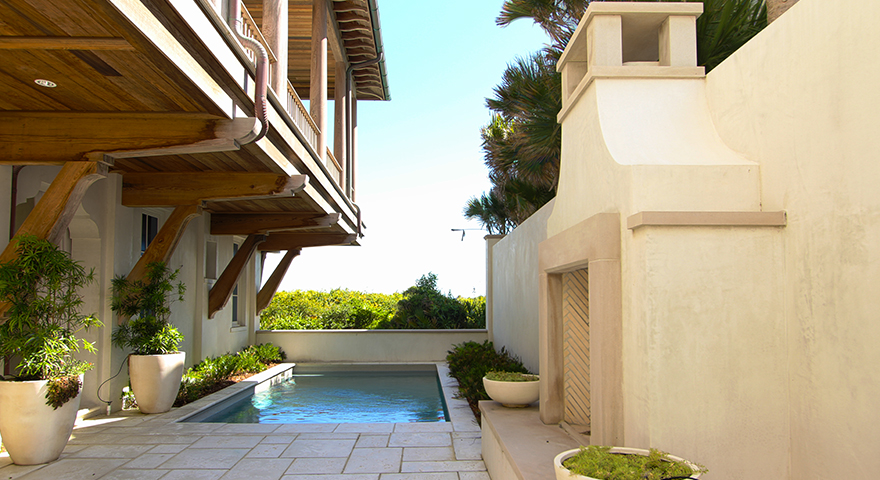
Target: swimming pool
338 394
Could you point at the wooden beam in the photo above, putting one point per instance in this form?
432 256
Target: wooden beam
264 296
289 241
221 292
250 223
163 245
35 138
64 43
185 188
52 214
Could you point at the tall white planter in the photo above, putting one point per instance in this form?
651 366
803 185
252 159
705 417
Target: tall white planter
155 380
32 431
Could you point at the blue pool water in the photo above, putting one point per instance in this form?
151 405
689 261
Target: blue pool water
339 397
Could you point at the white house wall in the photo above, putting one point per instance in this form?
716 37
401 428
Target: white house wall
106 236
803 97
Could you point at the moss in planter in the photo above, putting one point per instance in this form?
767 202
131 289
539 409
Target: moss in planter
511 377
595 461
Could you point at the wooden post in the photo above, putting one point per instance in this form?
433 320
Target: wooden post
275 31
264 296
53 213
162 247
339 100
318 75
221 292
352 162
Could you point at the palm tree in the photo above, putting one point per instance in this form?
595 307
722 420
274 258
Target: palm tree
522 142
490 211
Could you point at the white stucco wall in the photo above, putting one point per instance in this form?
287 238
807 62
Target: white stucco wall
802 97
106 236
515 288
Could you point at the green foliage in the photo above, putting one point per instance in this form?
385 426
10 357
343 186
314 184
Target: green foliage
469 362
40 286
147 335
424 306
150 300
511 377
213 373
334 310
595 461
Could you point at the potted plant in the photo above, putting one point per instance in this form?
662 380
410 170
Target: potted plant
512 389
39 401
620 463
156 365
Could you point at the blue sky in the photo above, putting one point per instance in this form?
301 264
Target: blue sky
419 154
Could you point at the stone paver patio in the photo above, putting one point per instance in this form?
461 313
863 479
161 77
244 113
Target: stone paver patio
149 447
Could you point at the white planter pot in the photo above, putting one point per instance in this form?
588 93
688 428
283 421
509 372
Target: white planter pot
32 431
563 473
512 394
155 380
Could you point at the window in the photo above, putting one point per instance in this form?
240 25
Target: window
149 229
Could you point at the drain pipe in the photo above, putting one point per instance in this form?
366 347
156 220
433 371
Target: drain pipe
261 104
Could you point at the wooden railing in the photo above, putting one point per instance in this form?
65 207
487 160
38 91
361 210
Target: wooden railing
301 117
335 169
249 29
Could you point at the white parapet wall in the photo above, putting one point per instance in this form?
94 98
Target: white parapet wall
368 345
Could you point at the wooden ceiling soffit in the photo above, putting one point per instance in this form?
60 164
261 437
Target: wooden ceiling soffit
35 138
264 296
64 43
168 189
289 241
251 223
222 290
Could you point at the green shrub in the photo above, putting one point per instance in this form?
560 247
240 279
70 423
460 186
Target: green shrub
214 373
334 310
469 362
596 462
423 306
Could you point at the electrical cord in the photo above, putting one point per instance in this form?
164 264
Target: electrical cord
98 392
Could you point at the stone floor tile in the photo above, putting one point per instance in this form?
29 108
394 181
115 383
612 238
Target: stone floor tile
127 474
453 466
307 427
467 448
171 448
193 474
285 439
317 465
149 460
372 441
267 450
11 471
252 428
258 469
69 449
214 458
420 440
419 476
227 441
421 454
319 448
190 428
362 476
111 451
365 428
470 476
422 427
75 469
374 460
326 436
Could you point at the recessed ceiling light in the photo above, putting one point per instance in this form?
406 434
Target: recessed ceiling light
45 83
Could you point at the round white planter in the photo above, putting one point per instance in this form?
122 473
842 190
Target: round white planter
155 380
563 473
512 394
32 431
